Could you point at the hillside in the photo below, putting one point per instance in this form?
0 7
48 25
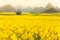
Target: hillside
7 8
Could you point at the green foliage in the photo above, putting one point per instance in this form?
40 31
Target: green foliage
36 36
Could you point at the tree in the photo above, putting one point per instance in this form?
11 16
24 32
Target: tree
18 12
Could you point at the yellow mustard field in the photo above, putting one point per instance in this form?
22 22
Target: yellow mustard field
29 27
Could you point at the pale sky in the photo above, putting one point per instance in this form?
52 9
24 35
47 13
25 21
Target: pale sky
30 3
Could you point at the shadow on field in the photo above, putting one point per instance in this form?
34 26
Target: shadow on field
7 14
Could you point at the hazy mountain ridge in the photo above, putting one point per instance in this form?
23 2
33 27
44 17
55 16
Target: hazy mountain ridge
48 8
7 8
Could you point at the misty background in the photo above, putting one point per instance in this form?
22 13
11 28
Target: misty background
30 5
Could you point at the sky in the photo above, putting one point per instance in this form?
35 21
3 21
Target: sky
30 3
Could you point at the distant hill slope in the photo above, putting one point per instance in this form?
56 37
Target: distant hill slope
38 9
50 9
7 8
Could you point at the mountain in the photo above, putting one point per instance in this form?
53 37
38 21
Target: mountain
38 9
58 9
23 9
7 8
49 5
50 9
28 9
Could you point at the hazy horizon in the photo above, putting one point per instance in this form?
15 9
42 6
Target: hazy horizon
30 3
